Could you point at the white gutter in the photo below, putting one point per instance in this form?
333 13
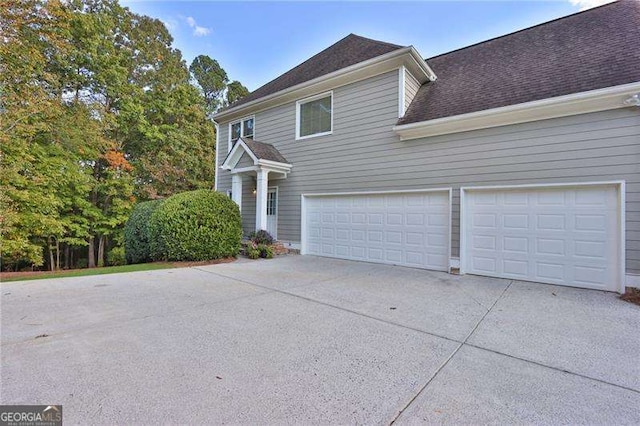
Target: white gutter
560 106
423 64
215 171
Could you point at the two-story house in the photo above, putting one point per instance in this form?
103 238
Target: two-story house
517 157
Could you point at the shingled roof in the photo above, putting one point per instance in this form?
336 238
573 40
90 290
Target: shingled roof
589 50
349 51
264 151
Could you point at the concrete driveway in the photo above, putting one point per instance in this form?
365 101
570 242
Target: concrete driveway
301 339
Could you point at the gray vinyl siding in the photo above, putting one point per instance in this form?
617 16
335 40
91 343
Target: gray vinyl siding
245 161
411 86
363 154
223 177
248 204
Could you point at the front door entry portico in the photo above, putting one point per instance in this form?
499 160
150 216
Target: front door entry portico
266 160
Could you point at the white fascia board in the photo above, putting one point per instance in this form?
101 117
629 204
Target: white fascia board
543 185
244 170
401 90
234 156
390 191
275 164
561 106
408 56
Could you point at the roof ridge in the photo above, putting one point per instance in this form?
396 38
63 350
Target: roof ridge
324 50
347 51
525 29
377 41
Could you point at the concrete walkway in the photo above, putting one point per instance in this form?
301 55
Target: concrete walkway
302 339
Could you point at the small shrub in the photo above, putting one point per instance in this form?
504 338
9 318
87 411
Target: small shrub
116 256
261 237
255 251
81 263
137 246
266 252
252 252
195 225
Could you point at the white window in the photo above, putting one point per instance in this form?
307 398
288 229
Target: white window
241 128
314 116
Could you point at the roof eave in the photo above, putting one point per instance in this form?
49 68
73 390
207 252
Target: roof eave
561 106
356 72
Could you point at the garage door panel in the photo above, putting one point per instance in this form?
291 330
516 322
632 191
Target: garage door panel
410 229
556 235
593 249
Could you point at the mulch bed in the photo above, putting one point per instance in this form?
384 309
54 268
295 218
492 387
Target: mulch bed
203 263
632 295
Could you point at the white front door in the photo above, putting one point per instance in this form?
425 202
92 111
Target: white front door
272 212
403 228
556 235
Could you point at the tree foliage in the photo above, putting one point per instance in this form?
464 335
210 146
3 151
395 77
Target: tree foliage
214 84
211 78
97 111
235 92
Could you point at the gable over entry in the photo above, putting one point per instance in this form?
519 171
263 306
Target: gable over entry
262 159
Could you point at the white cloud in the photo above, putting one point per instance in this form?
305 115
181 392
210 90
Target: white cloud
171 24
588 4
201 31
198 31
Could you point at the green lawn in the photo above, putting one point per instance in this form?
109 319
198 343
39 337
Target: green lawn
92 271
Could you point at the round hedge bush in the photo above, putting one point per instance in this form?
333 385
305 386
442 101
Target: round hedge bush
136 232
195 225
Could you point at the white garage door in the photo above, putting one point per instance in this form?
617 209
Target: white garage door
558 235
409 229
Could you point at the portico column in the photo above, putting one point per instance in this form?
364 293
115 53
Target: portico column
236 189
262 187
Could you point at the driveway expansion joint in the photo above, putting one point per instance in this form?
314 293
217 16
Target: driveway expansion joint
450 357
308 299
561 370
462 343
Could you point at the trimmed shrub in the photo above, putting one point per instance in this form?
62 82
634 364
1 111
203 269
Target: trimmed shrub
136 232
195 225
261 237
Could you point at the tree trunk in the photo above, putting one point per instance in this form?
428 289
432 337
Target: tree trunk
101 251
57 254
51 264
91 255
67 253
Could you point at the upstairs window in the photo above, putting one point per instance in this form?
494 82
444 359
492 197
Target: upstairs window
314 116
241 128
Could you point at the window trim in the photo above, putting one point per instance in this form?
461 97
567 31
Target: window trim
301 102
242 135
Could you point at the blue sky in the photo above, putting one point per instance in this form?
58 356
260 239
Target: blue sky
257 41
